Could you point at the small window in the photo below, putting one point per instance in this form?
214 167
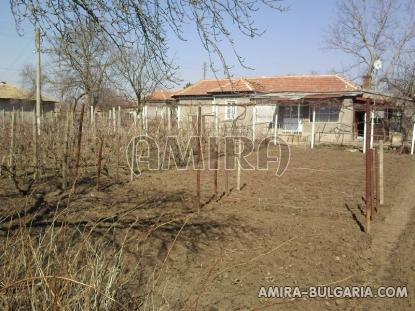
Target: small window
230 110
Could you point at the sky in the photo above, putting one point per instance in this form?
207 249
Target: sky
292 44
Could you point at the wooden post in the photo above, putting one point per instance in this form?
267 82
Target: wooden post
65 163
375 180
238 176
101 141
313 127
381 197
368 172
199 151
38 81
35 146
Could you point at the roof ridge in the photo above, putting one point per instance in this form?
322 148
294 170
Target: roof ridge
247 84
349 83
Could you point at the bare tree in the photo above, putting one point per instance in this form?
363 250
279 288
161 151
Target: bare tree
402 82
148 23
83 58
139 75
28 78
369 30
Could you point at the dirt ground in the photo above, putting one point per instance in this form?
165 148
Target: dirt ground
302 229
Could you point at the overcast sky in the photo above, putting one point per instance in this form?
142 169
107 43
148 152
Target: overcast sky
292 44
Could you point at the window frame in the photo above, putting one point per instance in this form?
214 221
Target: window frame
329 116
230 104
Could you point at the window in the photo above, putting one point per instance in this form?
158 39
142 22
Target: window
326 114
230 110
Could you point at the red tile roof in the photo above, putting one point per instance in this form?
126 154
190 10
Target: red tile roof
161 95
277 84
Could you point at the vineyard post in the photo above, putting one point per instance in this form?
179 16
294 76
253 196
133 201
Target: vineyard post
198 147
100 141
35 146
119 119
413 140
78 147
12 137
369 183
313 127
168 119
132 159
238 176
365 133
375 180
381 197
66 150
215 178
4 118
114 119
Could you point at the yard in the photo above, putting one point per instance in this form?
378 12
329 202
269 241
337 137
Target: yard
302 229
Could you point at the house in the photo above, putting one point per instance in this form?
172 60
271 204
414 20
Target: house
21 101
286 106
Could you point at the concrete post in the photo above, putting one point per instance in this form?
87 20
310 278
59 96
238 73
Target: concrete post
313 127
276 125
253 123
364 134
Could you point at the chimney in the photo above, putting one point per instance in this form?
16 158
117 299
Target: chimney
367 82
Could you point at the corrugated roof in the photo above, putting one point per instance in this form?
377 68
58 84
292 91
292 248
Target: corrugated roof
9 91
276 84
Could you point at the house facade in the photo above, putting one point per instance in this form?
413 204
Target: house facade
22 102
322 108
